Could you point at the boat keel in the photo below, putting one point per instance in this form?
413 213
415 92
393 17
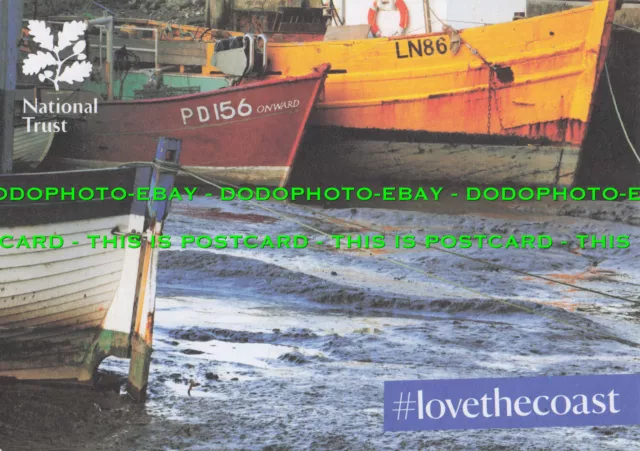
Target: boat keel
139 369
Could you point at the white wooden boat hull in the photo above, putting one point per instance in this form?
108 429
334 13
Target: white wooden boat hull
55 301
63 310
29 147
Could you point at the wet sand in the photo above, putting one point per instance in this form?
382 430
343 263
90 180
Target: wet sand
291 347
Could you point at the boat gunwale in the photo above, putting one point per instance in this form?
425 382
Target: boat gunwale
109 169
450 69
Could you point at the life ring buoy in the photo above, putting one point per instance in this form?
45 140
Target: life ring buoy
373 15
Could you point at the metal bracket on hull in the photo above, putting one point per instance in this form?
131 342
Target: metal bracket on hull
265 61
163 176
236 56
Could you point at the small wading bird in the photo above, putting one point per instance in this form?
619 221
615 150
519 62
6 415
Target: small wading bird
192 384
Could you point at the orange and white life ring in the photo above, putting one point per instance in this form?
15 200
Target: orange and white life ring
373 15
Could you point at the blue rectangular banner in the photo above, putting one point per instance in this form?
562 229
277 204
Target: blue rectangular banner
524 402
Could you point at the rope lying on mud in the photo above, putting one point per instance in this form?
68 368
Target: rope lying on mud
615 105
507 268
219 185
626 28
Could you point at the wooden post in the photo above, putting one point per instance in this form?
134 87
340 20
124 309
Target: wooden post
216 10
167 152
108 22
10 29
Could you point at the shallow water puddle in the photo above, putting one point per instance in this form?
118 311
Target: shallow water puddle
273 318
251 354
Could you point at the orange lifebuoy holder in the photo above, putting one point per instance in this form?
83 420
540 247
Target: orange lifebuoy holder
373 15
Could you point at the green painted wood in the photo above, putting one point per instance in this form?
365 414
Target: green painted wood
135 81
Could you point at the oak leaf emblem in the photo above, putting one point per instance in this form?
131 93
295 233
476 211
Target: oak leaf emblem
41 62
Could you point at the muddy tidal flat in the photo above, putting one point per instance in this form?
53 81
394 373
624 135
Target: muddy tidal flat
289 348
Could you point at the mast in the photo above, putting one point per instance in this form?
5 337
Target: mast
427 16
10 28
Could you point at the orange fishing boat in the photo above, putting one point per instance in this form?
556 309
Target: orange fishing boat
506 103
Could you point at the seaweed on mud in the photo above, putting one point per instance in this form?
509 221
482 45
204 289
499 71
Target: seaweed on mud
294 335
294 357
270 278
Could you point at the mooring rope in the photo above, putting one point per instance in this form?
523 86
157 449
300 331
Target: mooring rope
615 105
219 185
626 28
499 266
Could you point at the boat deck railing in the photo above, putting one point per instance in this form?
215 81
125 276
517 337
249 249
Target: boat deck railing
133 49
102 43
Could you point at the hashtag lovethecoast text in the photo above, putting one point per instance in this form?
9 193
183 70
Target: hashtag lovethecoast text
495 405
512 403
